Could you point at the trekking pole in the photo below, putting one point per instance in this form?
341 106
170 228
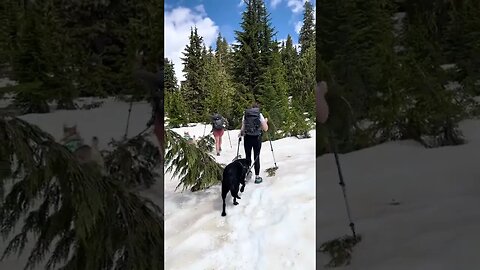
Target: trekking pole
238 146
228 133
204 129
271 148
253 164
342 183
128 118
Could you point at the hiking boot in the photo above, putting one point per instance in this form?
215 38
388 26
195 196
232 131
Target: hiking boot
218 154
258 180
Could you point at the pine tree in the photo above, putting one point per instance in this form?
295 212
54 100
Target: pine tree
274 99
460 42
254 53
247 66
60 66
307 32
177 112
290 61
434 111
171 83
356 44
194 88
10 12
304 82
106 37
220 95
175 107
267 45
29 64
222 52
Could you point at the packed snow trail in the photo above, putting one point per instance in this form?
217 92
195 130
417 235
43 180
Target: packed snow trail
272 227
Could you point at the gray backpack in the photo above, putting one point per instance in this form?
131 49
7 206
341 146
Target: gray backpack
252 122
218 122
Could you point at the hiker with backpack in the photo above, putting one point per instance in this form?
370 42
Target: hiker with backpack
253 126
218 126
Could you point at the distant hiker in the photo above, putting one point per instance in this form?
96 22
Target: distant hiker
186 136
82 152
219 123
322 106
71 138
253 125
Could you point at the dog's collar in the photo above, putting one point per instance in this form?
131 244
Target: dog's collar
245 167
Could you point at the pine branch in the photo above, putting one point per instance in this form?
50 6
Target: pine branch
95 221
194 167
206 143
133 162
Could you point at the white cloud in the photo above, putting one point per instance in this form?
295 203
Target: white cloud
315 14
241 3
178 23
201 9
275 3
298 26
296 5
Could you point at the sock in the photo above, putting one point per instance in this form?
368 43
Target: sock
257 176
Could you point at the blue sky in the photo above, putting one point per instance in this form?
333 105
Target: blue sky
224 16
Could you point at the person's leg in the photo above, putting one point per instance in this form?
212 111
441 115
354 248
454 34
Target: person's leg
220 141
217 138
248 145
257 146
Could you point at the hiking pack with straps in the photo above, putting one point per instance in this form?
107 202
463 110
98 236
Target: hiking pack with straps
252 122
218 122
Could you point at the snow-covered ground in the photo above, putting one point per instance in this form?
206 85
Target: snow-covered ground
435 226
271 228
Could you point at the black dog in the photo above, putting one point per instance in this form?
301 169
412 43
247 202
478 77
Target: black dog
234 175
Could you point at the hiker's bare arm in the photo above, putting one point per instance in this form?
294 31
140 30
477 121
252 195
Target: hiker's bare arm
322 106
265 125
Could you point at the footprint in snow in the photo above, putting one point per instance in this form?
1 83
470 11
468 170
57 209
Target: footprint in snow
253 201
